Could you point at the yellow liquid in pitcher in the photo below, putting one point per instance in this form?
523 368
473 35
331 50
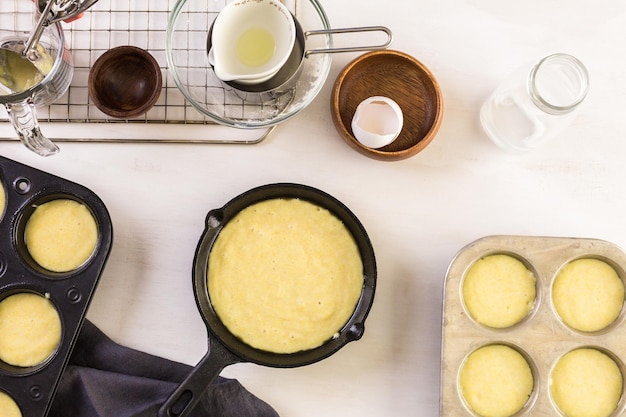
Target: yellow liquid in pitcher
18 73
255 47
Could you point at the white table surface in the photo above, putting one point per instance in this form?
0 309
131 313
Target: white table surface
418 212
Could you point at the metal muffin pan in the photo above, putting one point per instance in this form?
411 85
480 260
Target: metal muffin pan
33 388
541 337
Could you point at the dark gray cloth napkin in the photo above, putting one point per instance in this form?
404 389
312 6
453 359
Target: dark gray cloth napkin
105 379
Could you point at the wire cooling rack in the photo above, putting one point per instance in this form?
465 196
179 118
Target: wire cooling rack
110 23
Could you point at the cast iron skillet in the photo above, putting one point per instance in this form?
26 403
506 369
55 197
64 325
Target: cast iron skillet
224 348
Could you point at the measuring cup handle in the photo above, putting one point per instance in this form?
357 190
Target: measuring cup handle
23 116
383 45
188 393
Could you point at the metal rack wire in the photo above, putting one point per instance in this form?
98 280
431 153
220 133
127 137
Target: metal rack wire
110 23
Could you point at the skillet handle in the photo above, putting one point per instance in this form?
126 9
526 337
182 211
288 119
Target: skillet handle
188 393
383 45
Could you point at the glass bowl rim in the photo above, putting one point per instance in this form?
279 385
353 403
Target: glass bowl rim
281 117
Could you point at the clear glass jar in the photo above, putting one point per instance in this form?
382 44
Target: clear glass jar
532 106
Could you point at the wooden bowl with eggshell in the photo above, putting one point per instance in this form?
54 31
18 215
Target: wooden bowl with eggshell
401 78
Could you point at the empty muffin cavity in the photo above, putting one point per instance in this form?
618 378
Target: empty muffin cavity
587 382
499 290
588 295
30 330
58 234
497 380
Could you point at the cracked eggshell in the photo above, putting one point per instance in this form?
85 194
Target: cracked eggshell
377 121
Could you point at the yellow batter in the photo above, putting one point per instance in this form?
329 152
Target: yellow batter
588 294
18 73
284 275
499 291
61 235
30 329
3 200
8 407
496 381
586 383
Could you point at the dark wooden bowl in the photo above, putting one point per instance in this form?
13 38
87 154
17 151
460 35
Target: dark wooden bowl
401 78
125 82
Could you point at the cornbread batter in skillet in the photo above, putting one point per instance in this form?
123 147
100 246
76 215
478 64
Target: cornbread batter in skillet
8 407
284 275
30 329
61 235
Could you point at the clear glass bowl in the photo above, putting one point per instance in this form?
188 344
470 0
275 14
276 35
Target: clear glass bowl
187 59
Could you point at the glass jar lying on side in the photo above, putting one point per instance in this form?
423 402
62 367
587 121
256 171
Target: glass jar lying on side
532 106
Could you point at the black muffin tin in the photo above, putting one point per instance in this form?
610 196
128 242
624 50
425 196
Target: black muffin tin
33 388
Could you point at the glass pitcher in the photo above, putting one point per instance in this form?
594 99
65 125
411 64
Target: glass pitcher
27 84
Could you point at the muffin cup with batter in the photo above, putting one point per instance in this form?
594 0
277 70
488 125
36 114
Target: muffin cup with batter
30 330
58 235
587 382
8 406
499 290
588 295
497 380
3 198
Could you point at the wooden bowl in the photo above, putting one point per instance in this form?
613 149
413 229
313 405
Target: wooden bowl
401 78
125 82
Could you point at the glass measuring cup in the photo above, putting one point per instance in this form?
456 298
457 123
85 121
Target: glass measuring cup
21 97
